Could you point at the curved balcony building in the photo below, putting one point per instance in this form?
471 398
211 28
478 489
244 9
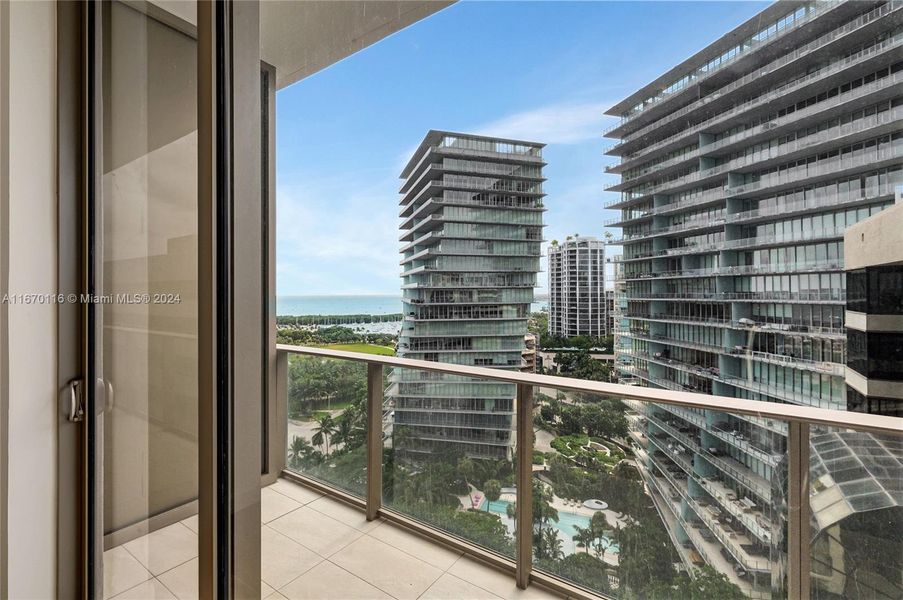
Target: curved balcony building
741 169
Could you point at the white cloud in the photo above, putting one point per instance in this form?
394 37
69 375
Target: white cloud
564 123
338 239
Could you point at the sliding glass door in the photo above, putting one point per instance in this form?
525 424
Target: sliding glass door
171 391
142 319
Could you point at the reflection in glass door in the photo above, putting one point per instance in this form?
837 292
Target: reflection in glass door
146 260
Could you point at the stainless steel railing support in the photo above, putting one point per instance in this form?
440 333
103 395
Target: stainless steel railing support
374 439
798 537
524 464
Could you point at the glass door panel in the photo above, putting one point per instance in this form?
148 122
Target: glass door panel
146 256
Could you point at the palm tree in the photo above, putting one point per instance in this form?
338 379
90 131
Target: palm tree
344 429
603 542
584 536
511 511
324 431
299 450
466 468
549 544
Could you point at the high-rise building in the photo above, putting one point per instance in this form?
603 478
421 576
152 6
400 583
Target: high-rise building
741 168
874 314
577 288
610 311
856 502
472 219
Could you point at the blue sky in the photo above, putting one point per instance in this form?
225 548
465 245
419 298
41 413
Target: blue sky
540 71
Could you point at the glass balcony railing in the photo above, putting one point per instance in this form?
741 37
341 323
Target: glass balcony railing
766 127
781 151
759 269
597 489
785 89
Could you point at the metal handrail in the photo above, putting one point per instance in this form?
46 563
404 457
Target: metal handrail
819 416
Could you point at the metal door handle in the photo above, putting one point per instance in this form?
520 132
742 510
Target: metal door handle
109 399
76 401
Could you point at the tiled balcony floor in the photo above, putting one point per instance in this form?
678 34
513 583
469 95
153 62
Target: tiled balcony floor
313 548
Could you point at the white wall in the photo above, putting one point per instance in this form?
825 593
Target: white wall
877 240
32 332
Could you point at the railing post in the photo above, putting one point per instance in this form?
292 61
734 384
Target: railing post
278 438
798 536
524 451
374 439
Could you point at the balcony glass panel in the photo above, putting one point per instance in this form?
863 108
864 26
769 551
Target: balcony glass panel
633 499
448 456
327 421
855 499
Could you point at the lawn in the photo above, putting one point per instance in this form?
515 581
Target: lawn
363 348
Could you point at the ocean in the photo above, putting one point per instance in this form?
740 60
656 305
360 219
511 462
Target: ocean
365 304
338 305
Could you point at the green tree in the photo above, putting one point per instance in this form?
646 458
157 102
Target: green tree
302 453
323 431
493 491
547 414
708 584
543 511
548 545
646 556
584 537
466 468
570 421
583 569
511 511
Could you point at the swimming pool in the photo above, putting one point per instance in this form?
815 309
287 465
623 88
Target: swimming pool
567 521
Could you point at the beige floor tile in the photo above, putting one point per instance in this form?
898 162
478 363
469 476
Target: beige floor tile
265 590
497 582
449 587
326 581
283 559
191 523
273 505
344 513
151 589
182 580
295 491
121 571
425 550
275 596
165 548
316 531
386 567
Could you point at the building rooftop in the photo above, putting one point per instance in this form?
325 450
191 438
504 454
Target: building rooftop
709 52
433 137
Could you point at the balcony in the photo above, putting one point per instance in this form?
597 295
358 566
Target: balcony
312 546
848 133
693 79
770 128
787 89
348 518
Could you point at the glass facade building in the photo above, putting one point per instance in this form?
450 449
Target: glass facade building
577 301
472 219
741 169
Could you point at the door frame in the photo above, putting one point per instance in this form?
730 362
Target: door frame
235 228
71 565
